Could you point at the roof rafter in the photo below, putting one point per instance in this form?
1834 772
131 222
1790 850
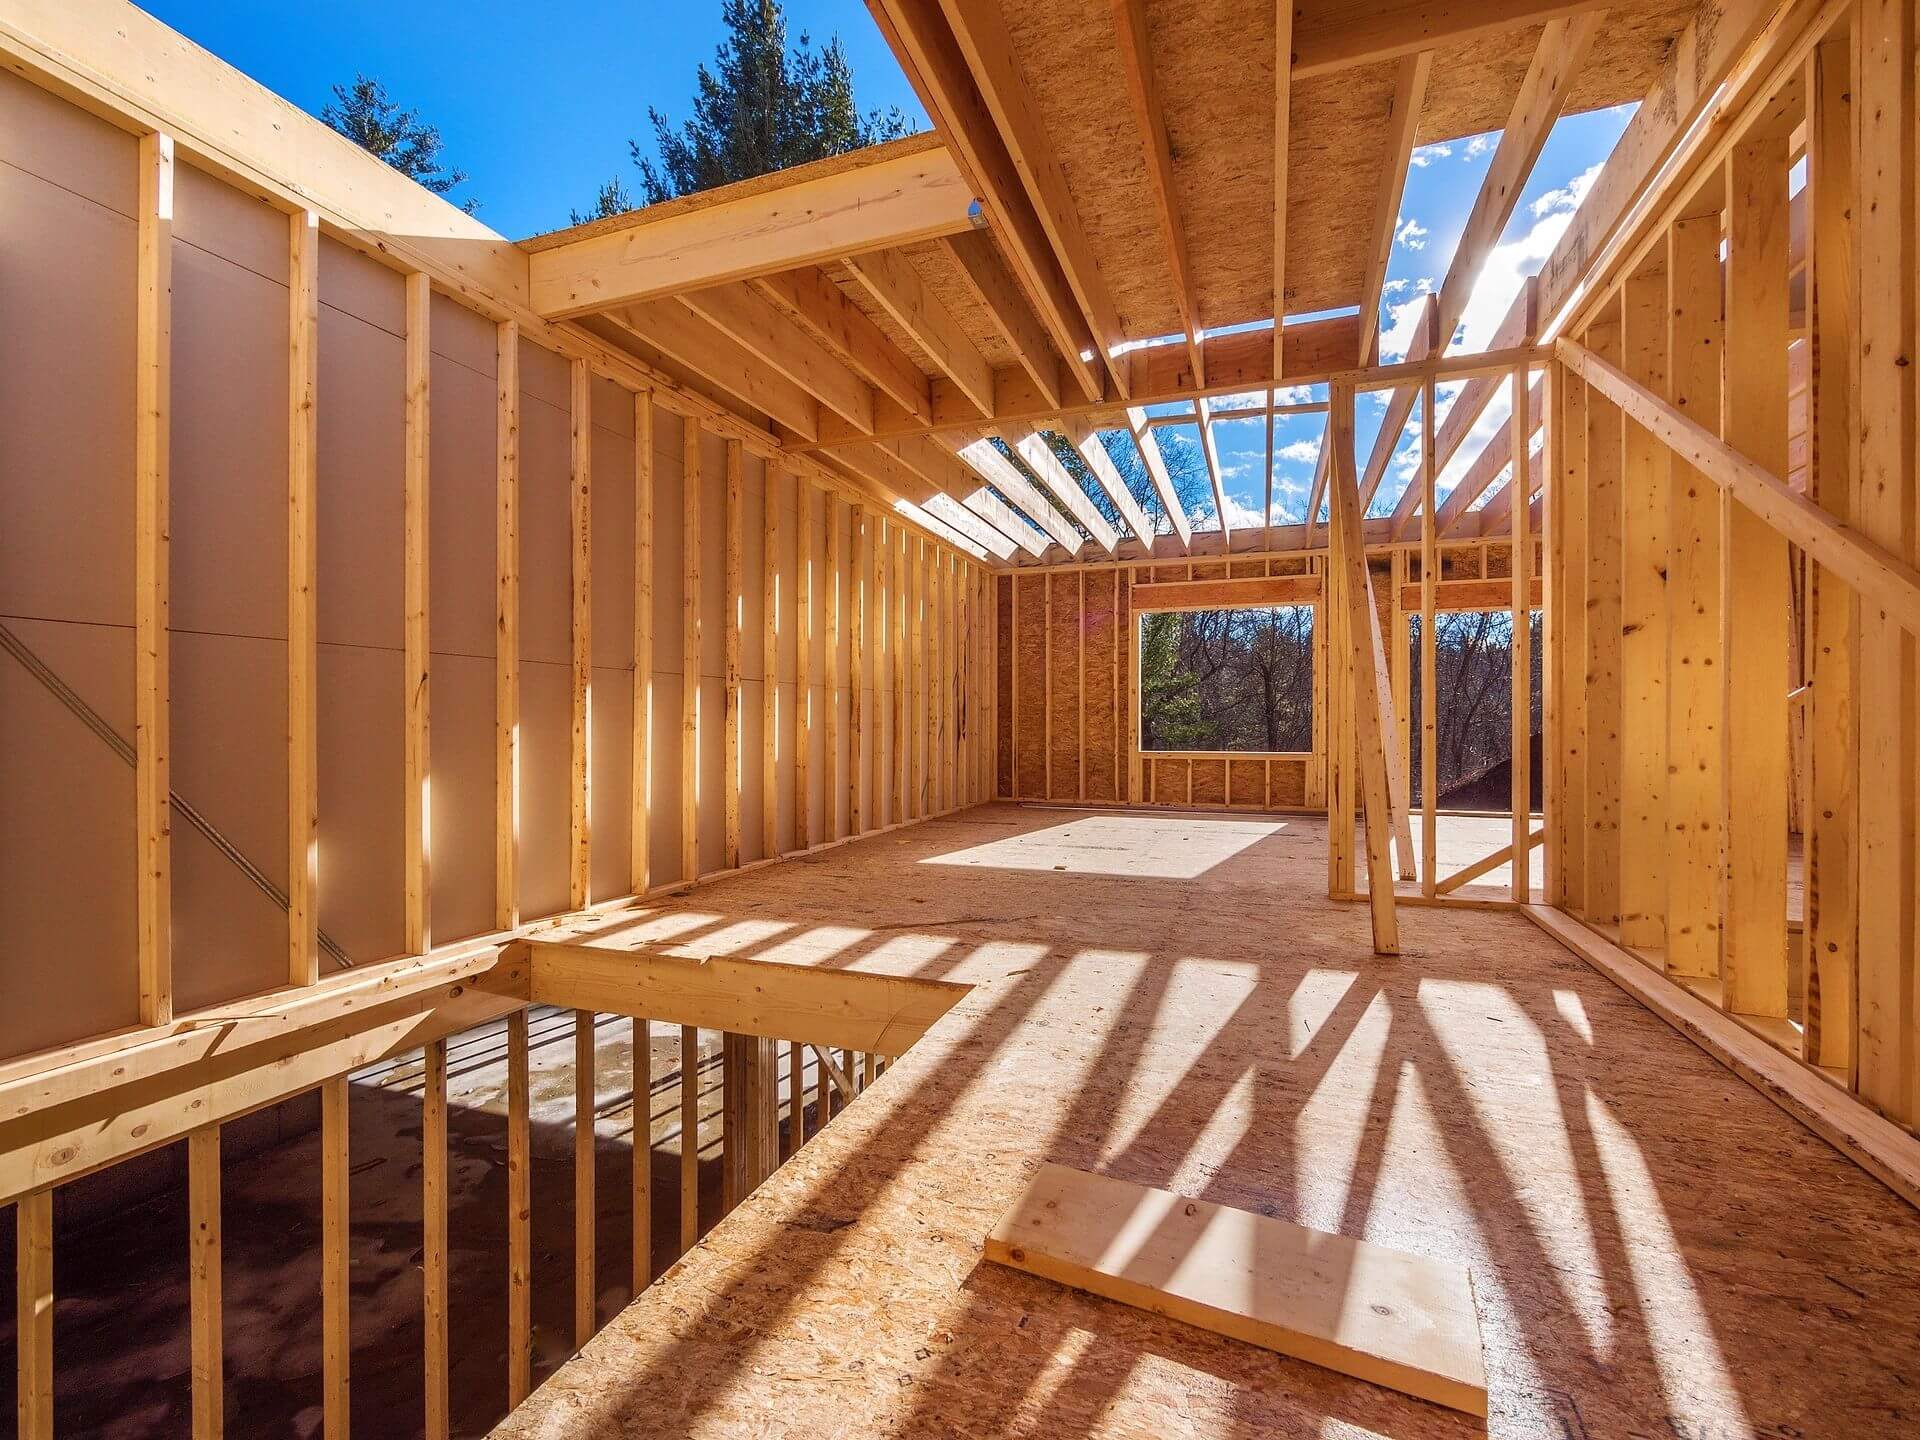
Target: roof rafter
1334 37
1409 98
1282 142
1486 468
686 338
1140 427
1210 450
1037 452
1006 477
943 469
1093 451
1556 60
927 50
844 328
1497 512
994 288
898 289
755 323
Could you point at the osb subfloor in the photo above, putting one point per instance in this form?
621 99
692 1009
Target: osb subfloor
1656 1250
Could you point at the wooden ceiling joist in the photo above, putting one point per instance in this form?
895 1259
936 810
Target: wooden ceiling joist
986 276
1140 427
1008 521
929 53
1135 52
944 472
915 193
687 339
1210 451
898 289
958 518
1556 61
1337 36
1036 452
755 323
1409 96
980 29
844 328
1093 452
1006 477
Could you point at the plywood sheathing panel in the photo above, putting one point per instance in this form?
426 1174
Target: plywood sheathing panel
1209 782
1103 723
1485 1100
1289 781
1063 713
1003 670
1214 61
1030 714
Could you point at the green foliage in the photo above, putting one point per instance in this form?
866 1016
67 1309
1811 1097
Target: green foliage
1227 680
367 115
612 198
768 107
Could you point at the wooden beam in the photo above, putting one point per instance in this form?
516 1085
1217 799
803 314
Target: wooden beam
803 609
1426 344
849 1009
303 624
580 590
1520 427
1007 478
678 333
897 288
980 266
586 1289
1093 452
1892 583
520 1210
730 632
418 636
33 1315
1372 723
832 586
844 328
764 331
690 644
689 1137
1494 457
152 431
1645 555
1155 464
772 586
1339 37
1210 452
642 751
856 606
915 194
203 1285
336 1273
1360 1309
1604 699
1247 593
1457 595
1409 99
434 1196
1282 152
1034 448
1429 651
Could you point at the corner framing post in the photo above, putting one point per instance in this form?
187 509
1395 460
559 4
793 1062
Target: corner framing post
419 812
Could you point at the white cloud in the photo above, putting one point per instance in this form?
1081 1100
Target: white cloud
1299 452
1393 287
1411 234
1427 154
1403 320
1509 264
1568 196
1294 395
1239 514
1477 146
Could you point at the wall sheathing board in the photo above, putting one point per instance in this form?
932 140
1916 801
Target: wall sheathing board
786 556
1063 658
1003 689
753 550
461 626
668 588
1101 666
1030 716
361 539
610 698
546 632
712 826
67 243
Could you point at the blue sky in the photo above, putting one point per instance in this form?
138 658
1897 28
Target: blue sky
536 103
540 120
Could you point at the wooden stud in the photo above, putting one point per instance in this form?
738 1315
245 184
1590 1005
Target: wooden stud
506 635
33 1315
519 1213
1754 582
642 776
902 664
1831 867
1644 496
1522 653
833 581
153 381
771 586
885 806
856 664
796 1098
916 628
580 516
1372 707
586 1290
689 1137
433 1254
418 764
803 601
642 1144
1695 659
1886 108
303 628
1429 652
731 699
1603 639
336 1278
204 1287
690 645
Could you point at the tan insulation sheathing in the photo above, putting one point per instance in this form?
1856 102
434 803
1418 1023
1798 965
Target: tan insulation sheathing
1063 659
1030 715
67 241
610 695
360 543
1003 675
1101 634
546 635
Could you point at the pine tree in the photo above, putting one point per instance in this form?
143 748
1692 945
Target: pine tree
767 108
612 198
367 115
